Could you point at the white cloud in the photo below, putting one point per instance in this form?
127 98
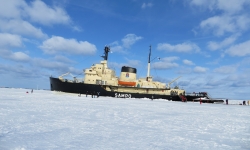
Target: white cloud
12 9
146 5
228 6
166 63
133 63
76 72
232 6
48 64
183 47
58 44
41 13
127 42
188 62
21 27
169 59
220 25
77 28
184 70
37 11
19 70
116 65
15 56
242 22
115 47
214 82
233 16
214 62
239 80
19 56
241 84
63 59
245 61
130 63
200 2
12 40
16 17
44 63
225 69
130 39
226 42
199 69
241 49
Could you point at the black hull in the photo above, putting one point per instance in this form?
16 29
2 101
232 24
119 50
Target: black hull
81 88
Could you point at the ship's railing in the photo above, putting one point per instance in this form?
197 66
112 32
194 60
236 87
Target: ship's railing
203 94
71 81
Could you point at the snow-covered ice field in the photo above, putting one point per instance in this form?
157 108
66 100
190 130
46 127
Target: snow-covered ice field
52 120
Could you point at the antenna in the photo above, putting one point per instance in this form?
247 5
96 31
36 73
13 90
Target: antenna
106 51
149 61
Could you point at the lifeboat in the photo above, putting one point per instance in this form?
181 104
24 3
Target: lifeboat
126 83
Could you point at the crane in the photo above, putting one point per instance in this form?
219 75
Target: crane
61 76
68 73
172 82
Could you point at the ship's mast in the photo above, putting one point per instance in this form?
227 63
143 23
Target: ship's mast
105 57
149 60
106 51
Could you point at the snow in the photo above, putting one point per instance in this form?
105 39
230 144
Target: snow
55 120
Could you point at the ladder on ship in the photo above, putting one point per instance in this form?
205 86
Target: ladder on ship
183 98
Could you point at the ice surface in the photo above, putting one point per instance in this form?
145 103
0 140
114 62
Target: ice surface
55 120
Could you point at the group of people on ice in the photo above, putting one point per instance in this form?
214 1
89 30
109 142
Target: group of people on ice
243 103
92 93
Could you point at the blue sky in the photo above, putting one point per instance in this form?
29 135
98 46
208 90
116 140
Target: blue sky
206 42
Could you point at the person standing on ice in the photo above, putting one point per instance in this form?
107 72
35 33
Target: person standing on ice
32 91
200 101
98 93
87 94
